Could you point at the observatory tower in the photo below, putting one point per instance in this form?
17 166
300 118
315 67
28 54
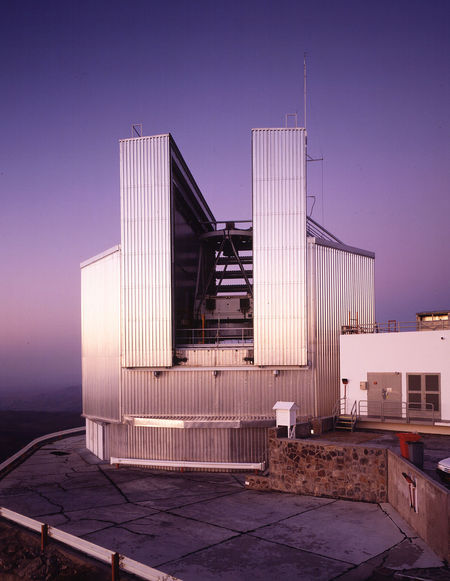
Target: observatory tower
192 329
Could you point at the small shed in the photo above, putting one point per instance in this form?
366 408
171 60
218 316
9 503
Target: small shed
286 413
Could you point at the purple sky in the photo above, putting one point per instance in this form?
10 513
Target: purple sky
76 75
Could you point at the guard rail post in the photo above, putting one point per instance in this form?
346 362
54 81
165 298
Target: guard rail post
44 536
115 570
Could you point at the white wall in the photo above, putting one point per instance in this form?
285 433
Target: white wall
408 352
100 335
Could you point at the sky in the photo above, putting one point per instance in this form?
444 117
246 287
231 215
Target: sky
76 75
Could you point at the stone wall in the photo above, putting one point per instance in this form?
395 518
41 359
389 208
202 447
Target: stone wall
321 468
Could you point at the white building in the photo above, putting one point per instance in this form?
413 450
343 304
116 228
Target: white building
193 329
398 372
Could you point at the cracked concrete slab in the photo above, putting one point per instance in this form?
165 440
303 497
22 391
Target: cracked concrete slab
85 526
117 514
52 470
175 498
30 504
55 520
160 538
81 498
247 557
168 492
249 509
83 480
394 561
398 520
172 479
411 554
330 531
198 525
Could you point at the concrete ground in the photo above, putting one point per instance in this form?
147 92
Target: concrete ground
201 526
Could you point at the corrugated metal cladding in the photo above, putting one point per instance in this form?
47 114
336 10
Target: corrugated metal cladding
100 331
205 445
116 440
279 246
145 191
344 283
230 393
94 439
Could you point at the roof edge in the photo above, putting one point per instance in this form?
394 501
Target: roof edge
97 257
343 247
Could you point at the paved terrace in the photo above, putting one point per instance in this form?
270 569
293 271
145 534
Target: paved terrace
201 526
436 446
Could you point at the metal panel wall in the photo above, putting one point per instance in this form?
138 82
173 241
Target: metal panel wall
94 438
145 193
279 246
205 445
344 282
100 335
243 393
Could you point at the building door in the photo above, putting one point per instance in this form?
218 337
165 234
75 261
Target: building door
424 395
384 395
94 438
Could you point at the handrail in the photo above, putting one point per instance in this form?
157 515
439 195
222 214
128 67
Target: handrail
340 406
395 327
396 409
214 335
353 413
339 409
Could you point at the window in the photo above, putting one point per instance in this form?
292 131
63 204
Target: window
424 392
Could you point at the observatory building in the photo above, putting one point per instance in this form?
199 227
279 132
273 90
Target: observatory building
193 329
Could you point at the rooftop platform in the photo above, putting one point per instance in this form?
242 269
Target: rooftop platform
207 525
436 446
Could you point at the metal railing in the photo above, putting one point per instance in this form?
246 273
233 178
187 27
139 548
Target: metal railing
353 413
340 409
215 336
395 327
118 562
397 410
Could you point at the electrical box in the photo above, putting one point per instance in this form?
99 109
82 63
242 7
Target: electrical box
363 384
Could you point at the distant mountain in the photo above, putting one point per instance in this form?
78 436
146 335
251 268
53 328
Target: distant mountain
18 428
65 399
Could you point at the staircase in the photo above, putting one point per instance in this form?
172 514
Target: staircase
343 421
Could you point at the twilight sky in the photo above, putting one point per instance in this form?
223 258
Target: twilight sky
76 74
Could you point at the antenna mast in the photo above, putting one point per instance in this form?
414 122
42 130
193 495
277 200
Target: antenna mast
304 88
